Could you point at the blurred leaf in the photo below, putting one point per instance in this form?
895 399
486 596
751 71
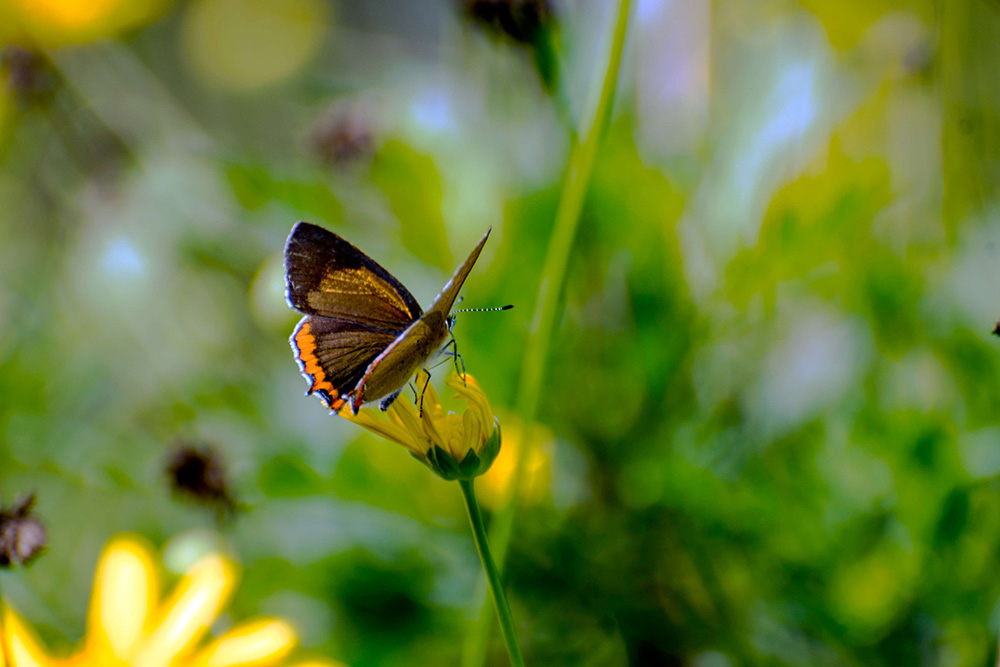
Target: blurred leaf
256 186
954 518
383 604
848 21
384 475
287 476
412 185
817 229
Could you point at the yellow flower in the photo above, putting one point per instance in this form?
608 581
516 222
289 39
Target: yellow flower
455 446
128 625
60 22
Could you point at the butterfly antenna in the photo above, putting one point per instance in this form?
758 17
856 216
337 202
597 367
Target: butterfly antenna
483 310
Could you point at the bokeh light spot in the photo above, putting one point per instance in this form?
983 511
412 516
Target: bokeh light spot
248 44
122 259
792 110
431 111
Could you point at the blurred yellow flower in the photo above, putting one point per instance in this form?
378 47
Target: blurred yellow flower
455 446
536 442
128 625
60 22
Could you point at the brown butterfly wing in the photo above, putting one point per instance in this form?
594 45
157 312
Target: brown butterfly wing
354 310
325 275
396 364
333 354
446 299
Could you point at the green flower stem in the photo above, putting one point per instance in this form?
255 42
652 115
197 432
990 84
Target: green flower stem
492 573
574 189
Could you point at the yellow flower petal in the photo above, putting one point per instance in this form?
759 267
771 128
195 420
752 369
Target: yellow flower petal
470 390
474 434
260 642
186 616
394 431
429 423
430 402
23 647
407 417
125 590
124 632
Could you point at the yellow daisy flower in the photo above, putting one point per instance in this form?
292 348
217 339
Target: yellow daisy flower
455 446
128 625
53 23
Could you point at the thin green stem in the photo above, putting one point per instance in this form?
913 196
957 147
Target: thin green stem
574 189
492 574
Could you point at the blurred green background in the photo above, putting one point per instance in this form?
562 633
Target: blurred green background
769 431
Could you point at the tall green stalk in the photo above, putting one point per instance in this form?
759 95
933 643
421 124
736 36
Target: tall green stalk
965 58
583 152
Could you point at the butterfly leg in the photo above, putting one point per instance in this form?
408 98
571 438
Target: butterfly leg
420 408
453 353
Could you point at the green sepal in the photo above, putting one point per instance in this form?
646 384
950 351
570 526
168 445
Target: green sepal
473 465
488 454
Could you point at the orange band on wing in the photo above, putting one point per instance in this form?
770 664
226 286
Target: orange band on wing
305 343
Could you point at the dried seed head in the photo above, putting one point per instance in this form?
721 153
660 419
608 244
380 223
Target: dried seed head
341 136
520 20
28 75
22 536
198 474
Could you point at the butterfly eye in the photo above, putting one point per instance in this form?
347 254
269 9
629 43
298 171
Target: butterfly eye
450 321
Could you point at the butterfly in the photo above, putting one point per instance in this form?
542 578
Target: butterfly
363 335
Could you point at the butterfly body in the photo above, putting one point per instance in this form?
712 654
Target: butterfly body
363 335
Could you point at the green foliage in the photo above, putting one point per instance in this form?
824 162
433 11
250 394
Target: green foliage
412 185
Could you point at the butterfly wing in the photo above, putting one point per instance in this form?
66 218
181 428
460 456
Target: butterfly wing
354 310
446 299
333 354
325 275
